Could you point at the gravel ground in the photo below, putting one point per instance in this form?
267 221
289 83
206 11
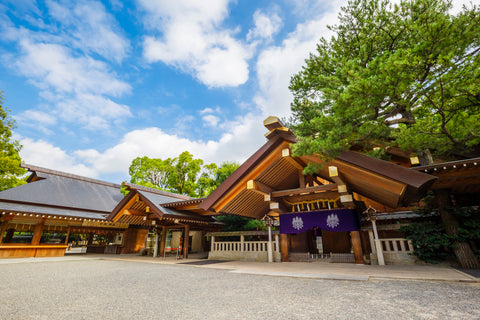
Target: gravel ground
100 289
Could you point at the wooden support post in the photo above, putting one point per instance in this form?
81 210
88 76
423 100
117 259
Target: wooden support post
204 241
277 244
4 227
68 234
186 241
9 235
284 246
37 234
90 239
357 246
162 241
155 249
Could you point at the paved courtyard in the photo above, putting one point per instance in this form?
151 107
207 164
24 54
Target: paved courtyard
107 289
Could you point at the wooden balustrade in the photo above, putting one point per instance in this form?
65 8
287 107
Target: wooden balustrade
245 246
396 245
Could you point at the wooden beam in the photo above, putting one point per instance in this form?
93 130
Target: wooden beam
259 187
131 212
272 123
290 192
345 197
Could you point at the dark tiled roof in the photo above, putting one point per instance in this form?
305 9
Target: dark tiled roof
57 192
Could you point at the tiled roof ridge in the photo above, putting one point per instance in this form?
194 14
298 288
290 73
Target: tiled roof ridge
156 191
68 175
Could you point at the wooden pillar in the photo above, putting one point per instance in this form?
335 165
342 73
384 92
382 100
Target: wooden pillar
37 234
162 241
9 235
204 241
68 235
4 227
357 246
277 244
284 246
155 249
90 239
186 241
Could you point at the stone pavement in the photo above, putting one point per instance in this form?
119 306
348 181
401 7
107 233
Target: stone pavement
312 270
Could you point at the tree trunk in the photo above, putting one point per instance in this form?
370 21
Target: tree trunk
462 249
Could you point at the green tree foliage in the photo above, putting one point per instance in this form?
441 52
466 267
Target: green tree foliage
239 223
403 74
182 175
10 170
431 242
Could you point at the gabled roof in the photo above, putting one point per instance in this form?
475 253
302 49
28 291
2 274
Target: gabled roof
273 168
140 197
60 193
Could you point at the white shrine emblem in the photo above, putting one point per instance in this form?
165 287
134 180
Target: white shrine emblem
297 223
333 221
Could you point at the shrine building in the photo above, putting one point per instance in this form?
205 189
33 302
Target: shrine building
350 209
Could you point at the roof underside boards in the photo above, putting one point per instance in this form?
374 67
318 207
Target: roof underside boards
384 182
273 146
59 191
247 203
252 174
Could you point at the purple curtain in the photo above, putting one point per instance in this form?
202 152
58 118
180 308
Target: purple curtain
330 220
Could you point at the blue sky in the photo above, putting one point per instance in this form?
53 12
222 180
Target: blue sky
94 84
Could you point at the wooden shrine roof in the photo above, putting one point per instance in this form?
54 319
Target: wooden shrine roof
272 170
143 204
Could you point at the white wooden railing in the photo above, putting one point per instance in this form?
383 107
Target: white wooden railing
396 245
245 246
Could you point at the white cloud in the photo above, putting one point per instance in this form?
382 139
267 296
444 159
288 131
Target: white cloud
193 40
206 111
43 154
52 66
265 26
90 28
240 142
75 87
277 64
36 119
211 120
